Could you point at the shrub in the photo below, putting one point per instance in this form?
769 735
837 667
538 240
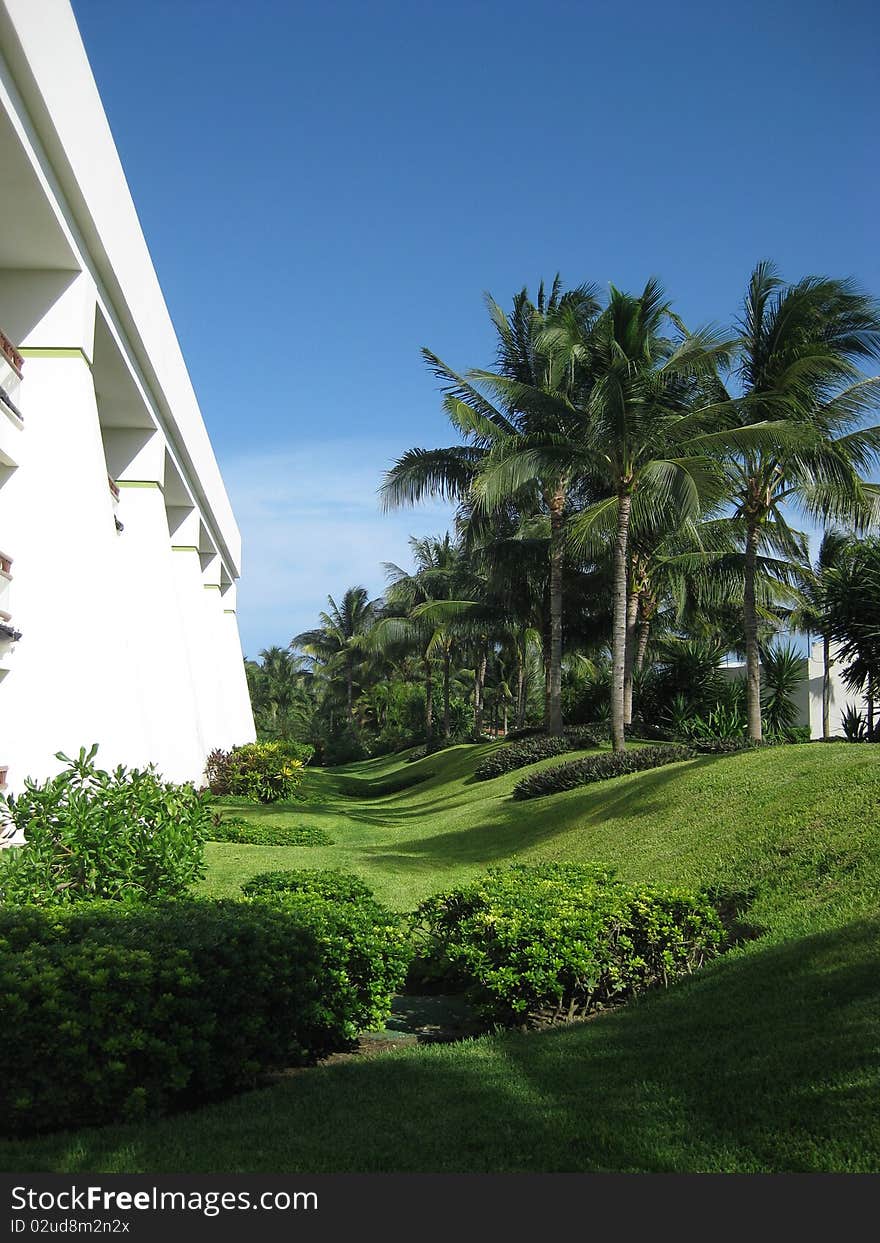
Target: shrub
262 772
122 1011
559 941
246 833
530 750
331 885
599 768
94 834
728 746
525 731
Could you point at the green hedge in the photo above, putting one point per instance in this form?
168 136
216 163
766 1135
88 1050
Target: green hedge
247 833
519 754
559 941
114 1012
326 883
599 768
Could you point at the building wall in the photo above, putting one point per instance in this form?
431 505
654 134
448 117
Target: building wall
123 595
808 695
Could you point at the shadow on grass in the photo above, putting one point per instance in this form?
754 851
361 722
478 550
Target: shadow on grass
767 1060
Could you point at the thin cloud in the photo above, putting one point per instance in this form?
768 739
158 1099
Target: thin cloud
311 526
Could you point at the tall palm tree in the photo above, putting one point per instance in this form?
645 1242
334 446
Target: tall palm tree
341 638
811 614
852 598
521 361
626 429
796 357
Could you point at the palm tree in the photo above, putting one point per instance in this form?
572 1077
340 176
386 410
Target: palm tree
342 637
852 598
796 356
625 429
811 615
521 361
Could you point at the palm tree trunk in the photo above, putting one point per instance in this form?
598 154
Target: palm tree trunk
632 613
505 718
479 683
556 505
618 625
644 631
826 687
349 680
750 625
429 704
520 689
870 705
446 659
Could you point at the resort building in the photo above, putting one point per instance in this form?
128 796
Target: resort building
807 696
119 552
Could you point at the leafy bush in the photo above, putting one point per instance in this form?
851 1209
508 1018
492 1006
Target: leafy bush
262 772
121 1011
518 755
331 885
558 941
598 768
344 747
525 731
782 674
728 746
94 834
530 750
246 833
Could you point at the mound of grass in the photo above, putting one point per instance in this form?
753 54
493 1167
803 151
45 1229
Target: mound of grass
766 1059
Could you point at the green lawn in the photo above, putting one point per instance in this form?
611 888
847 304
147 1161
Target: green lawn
769 1059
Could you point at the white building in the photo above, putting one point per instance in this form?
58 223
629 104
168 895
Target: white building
808 695
119 551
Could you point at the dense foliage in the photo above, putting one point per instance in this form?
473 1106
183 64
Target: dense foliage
89 833
120 1011
559 941
329 884
254 833
600 767
263 772
529 751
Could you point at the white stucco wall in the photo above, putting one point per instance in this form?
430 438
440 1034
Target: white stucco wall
128 636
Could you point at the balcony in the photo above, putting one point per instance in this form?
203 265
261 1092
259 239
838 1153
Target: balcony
11 418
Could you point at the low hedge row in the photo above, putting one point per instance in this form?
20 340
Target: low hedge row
600 767
559 941
530 750
326 883
247 833
121 1011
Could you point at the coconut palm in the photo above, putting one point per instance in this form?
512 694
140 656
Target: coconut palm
796 362
852 598
625 431
811 614
341 639
522 362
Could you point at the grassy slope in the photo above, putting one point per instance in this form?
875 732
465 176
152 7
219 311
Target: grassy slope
767 1060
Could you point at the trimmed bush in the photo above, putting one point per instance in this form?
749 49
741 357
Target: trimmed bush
728 746
122 1011
559 941
326 883
518 755
600 768
529 751
246 833
93 834
262 772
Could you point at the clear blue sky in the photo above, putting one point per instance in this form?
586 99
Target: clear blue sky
326 188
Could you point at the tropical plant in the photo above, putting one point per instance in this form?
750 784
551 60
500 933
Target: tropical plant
341 639
853 601
783 674
801 406
126 835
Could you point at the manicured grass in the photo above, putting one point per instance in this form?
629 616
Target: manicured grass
768 1059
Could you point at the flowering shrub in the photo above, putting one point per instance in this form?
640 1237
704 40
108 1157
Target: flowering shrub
264 772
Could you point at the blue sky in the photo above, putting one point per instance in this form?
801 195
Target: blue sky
326 188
